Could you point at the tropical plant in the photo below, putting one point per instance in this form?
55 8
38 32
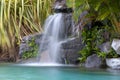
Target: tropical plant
92 38
19 18
112 54
33 50
107 11
98 10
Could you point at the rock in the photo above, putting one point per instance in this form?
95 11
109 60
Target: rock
116 45
70 50
60 4
24 46
93 61
105 47
113 63
37 37
64 10
81 23
70 55
113 71
30 60
73 43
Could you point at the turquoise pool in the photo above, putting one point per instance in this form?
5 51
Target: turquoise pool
14 72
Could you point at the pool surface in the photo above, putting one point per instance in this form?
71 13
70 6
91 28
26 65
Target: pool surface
15 72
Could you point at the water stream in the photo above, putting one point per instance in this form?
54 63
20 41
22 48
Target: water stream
54 34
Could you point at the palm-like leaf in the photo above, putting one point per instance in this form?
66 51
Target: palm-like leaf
19 18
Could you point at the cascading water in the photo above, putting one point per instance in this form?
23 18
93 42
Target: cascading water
53 35
56 29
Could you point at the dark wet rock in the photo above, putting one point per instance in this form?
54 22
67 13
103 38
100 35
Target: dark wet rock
63 10
93 61
70 50
69 24
70 56
72 43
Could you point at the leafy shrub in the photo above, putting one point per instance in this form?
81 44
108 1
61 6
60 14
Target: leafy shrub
92 38
33 50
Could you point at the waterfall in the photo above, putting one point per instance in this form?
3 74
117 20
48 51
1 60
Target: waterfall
57 28
54 34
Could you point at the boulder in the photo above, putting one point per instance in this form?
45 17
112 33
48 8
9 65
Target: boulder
113 63
70 50
70 56
116 45
72 43
24 46
37 37
93 61
105 47
59 4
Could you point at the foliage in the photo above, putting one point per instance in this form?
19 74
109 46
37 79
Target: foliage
75 4
98 10
19 18
33 50
108 9
102 54
112 54
92 38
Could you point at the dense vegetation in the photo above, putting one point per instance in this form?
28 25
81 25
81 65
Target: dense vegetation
19 18
100 24
99 10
